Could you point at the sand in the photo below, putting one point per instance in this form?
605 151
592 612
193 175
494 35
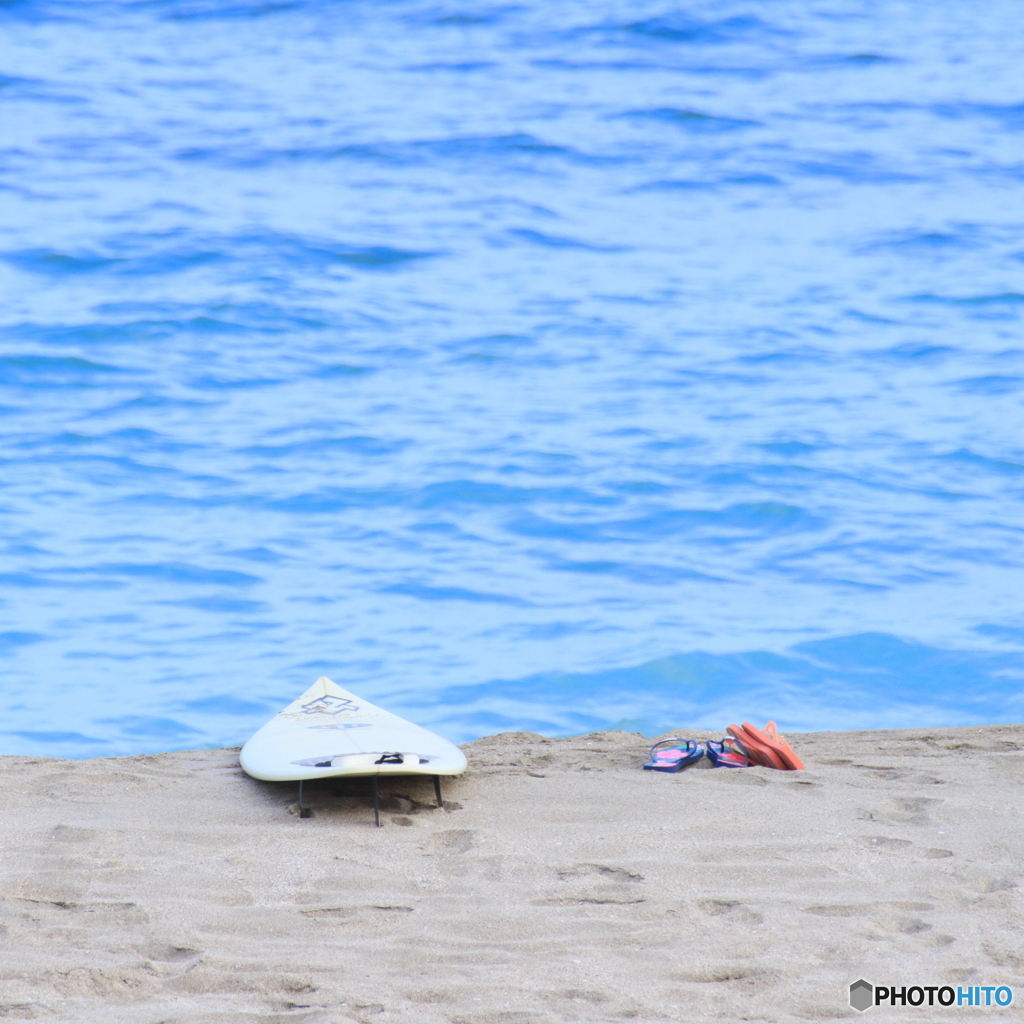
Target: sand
561 883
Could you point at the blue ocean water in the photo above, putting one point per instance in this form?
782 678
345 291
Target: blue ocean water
549 366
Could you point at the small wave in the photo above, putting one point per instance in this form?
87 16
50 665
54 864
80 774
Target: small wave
60 264
790 449
677 28
1008 115
220 605
53 371
839 683
344 370
149 256
517 149
860 168
462 67
223 704
636 572
368 446
28 580
13 639
557 241
654 65
217 10
258 554
55 739
440 495
691 120
925 243
151 727
464 20
94 334
458 492
231 383
756 519
1008 634
914 352
965 457
425 593
998 299
725 182
857 60
168 572
993 384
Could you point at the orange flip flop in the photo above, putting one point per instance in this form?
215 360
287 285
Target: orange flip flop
774 733
758 752
775 743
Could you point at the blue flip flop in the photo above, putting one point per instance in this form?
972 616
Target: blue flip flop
678 755
727 753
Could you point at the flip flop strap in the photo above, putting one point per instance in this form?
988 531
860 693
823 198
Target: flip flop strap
661 743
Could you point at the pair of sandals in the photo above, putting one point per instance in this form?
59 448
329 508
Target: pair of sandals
766 747
726 753
748 745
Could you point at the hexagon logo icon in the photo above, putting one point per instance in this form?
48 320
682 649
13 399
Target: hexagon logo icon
861 995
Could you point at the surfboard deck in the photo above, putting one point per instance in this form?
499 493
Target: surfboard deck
329 732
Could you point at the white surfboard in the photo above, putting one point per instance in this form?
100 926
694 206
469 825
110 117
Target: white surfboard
329 732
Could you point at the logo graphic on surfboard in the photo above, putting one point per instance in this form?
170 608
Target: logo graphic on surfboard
329 705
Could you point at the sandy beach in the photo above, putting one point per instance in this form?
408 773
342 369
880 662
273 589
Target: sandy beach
560 883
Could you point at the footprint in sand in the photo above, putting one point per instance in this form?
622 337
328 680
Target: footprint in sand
608 873
615 886
738 912
169 953
454 841
745 979
904 810
885 843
